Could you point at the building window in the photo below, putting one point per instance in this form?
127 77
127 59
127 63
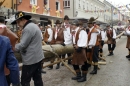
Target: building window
79 3
33 2
57 5
87 6
66 3
45 2
91 8
84 5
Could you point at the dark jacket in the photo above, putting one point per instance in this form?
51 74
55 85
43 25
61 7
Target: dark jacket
7 57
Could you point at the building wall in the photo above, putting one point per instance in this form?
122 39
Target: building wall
8 3
108 14
26 6
70 11
52 5
84 11
82 8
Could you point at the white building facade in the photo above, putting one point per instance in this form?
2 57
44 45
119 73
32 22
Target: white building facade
88 8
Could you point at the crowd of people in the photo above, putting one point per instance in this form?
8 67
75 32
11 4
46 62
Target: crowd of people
87 40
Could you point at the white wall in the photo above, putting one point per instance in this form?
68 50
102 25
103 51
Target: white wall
88 5
69 11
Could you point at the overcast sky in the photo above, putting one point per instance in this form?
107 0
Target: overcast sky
120 2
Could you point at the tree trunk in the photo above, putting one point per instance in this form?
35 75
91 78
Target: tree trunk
50 50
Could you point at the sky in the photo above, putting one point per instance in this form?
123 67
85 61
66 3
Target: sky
120 2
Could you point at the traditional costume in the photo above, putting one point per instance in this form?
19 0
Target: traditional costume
67 36
127 32
48 33
111 35
57 38
93 44
79 56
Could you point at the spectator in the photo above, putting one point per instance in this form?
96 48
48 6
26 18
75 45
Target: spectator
7 57
30 47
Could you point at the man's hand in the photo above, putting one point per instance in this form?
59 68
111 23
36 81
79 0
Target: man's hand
63 44
75 46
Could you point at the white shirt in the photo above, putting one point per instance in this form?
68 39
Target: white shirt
103 35
57 30
41 35
83 38
93 38
127 31
114 33
50 32
67 35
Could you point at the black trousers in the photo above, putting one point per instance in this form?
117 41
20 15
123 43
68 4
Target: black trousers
111 47
83 67
32 71
101 44
8 79
95 54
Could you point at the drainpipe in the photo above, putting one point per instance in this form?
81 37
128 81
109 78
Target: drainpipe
73 8
13 6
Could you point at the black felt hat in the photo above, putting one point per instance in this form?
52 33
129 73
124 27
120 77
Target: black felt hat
20 15
58 22
92 20
66 17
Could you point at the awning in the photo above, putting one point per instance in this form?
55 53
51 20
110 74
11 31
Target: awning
42 15
80 18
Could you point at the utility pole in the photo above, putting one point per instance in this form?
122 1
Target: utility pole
112 16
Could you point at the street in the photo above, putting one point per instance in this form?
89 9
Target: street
114 73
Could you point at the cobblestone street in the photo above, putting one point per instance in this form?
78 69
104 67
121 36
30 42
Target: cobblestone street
114 73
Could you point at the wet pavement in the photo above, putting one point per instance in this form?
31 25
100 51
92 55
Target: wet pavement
115 73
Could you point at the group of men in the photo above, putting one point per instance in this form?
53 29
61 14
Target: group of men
87 40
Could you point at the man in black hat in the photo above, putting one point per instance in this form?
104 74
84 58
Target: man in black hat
48 33
67 35
93 44
58 38
111 35
101 38
79 56
30 43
